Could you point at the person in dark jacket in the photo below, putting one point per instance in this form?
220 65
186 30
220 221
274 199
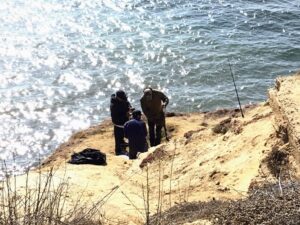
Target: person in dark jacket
153 103
136 132
120 112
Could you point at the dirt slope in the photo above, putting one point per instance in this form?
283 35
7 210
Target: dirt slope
216 155
285 102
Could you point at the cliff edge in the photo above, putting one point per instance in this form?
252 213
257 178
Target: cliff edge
212 156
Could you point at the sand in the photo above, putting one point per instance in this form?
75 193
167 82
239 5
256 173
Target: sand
214 155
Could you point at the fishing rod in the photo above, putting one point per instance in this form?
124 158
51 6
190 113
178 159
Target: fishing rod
164 123
237 95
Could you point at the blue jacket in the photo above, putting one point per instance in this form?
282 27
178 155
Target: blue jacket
136 132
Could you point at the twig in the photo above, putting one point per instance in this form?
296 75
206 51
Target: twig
137 209
280 187
171 173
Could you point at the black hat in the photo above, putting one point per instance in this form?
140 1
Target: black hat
136 113
121 94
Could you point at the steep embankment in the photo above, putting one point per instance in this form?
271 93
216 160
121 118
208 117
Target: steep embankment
273 196
285 102
216 155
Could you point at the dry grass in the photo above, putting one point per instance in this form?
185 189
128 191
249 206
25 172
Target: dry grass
45 203
269 204
162 196
277 161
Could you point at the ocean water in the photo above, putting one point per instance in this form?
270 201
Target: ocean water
60 60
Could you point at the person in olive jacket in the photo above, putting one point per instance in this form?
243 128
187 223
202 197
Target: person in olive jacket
153 103
120 111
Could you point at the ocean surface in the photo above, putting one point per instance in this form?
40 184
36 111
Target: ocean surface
60 60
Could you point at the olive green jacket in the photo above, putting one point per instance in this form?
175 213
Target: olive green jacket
153 109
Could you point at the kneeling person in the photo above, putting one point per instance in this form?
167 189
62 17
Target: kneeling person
136 132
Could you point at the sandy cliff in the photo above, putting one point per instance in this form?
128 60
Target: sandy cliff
215 155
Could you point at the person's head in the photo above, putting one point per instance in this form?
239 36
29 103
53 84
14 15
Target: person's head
121 95
148 93
137 114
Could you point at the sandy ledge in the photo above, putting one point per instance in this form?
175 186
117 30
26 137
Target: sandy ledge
215 155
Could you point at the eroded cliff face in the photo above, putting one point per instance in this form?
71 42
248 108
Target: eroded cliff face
285 103
216 155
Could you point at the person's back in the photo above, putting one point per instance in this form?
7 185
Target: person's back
119 109
153 108
136 132
152 103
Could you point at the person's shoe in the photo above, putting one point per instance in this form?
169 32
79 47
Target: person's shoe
122 153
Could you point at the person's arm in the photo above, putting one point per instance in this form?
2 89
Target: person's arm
129 110
145 108
145 129
126 130
164 98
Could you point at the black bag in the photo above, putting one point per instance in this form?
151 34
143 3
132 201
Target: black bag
88 156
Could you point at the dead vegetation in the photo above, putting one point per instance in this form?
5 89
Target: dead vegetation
222 127
277 162
269 204
42 201
157 155
226 125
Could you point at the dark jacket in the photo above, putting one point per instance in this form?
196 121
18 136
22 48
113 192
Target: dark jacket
136 132
153 109
119 110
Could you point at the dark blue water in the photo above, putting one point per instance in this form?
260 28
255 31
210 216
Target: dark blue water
61 60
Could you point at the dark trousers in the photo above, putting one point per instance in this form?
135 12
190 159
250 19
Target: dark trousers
154 133
133 150
119 139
